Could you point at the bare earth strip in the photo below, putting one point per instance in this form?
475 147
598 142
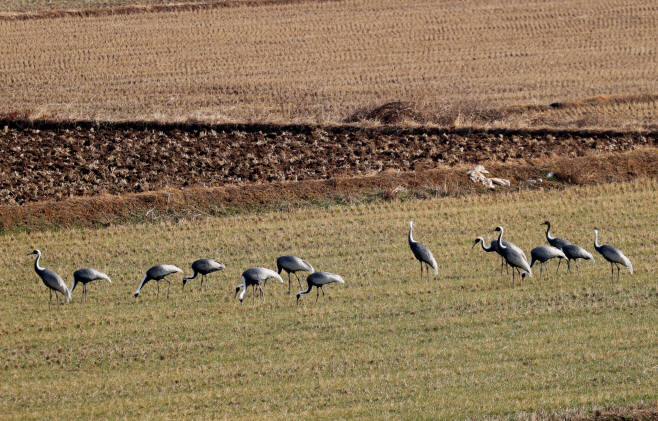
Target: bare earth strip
455 62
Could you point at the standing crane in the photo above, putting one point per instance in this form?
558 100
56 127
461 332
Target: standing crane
85 276
204 267
494 247
558 243
543 254
574 252
512 257
158 273
319 280
612 255
423 254
255 277
52 280
292 264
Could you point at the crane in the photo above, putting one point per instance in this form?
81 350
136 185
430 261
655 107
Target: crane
204 267
158 273
612 255
514 258
558 243
253 277
543 254
292 264
85 276
319 280
574 252
494 247
52 280
423 254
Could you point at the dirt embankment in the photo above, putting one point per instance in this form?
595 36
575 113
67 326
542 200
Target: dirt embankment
41 162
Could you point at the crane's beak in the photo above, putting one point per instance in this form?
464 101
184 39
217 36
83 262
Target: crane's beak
475 243
298 300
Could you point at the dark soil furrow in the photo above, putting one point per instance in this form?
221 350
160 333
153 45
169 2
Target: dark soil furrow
39 164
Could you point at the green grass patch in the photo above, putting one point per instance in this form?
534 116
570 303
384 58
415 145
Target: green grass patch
385 344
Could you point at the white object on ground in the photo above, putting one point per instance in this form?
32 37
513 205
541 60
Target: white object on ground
477 175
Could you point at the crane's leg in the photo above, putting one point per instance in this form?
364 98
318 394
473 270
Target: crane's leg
201 286
289 282
512 277
559 262
262 293
421 271
568 266
612 269
323 299
57 297
507 267
577 267
158 289
541 270
51 298
548 278
502 262
318 289
618 267
298 280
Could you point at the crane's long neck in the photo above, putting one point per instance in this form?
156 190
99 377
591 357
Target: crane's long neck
411 236
307 291
549 237
244 289
38 268
485 248
500 240
596 240
142 284
187 278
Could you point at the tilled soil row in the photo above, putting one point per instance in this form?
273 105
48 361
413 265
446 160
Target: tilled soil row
39 163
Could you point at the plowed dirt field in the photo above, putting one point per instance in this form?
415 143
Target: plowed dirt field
50 163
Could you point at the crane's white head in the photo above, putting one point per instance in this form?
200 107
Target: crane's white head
411 224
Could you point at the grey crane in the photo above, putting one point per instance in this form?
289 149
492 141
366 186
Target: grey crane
84 276
158 273
319 280
574 252
612 255
204 267
52 280
558 243
423 254
512 257
543 254
494 247
292 264
255 277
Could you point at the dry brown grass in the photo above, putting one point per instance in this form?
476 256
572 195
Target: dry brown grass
457 63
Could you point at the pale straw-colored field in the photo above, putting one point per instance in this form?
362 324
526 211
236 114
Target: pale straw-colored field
456 62
384 345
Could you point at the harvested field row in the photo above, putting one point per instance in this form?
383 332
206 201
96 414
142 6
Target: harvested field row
194 203
321 62
38 164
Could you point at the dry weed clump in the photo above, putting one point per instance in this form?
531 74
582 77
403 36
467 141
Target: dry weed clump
326 62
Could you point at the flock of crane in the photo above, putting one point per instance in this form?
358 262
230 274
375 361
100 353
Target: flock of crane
515 257
256 277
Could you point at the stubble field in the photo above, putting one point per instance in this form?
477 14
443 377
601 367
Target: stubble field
385 344
451 63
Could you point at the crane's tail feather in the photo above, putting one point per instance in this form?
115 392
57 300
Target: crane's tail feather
435 266
68 294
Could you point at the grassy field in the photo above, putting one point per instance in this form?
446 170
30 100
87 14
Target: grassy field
456 63
385 345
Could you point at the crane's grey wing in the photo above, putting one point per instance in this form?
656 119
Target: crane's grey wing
615 255
88 274
558 243
573 251
260 275
516 259
207 266
54 281
324 278
424 254
293 264
515 248
160 271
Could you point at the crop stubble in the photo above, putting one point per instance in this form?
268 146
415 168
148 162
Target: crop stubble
321 62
